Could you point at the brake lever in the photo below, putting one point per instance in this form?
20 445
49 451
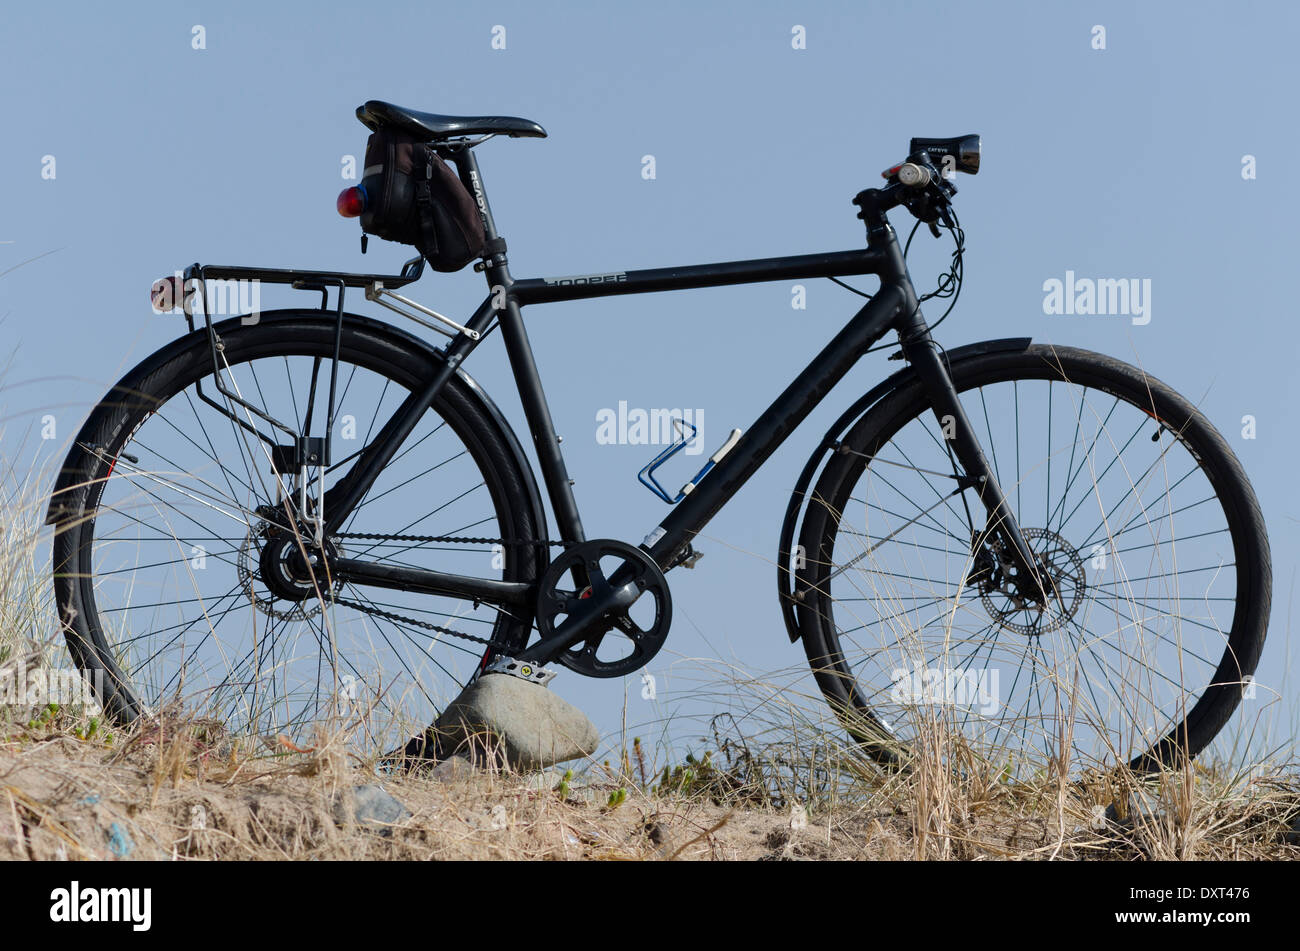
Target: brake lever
940 214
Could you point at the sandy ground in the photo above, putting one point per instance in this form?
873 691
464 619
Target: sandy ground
64 798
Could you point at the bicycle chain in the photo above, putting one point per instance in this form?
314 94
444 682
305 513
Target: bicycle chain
428 625
544 543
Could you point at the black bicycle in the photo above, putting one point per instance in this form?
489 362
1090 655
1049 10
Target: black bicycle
278 516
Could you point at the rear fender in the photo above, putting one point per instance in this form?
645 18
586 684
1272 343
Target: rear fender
68 497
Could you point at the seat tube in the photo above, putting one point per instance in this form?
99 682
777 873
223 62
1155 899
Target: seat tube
467 170
545 441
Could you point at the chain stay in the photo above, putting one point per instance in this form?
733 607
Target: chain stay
427 625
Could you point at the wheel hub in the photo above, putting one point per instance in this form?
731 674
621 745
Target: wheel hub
276 576
1060 567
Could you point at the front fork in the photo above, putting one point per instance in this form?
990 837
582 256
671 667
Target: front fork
956 429
929 367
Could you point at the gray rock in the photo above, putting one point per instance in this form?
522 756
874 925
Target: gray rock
523 723
371 807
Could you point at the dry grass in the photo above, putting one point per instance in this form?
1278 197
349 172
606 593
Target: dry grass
27 617
176 789
772 781
954 802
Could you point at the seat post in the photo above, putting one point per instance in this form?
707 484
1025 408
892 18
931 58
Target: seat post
467 169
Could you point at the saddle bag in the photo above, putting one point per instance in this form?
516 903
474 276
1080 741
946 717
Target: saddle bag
413 197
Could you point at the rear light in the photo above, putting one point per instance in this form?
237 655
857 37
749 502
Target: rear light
351 202
167 294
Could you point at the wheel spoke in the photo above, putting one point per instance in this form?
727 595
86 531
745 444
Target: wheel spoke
192 585
1123 615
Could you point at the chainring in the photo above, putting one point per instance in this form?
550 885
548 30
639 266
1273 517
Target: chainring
624 640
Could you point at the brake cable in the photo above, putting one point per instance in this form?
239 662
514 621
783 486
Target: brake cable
949 284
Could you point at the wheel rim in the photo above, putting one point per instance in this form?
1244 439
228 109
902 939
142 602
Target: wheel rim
176 586
1146 553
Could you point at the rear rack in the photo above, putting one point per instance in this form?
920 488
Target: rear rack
411 271
303 450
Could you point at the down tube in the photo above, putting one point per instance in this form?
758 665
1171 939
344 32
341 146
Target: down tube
777 422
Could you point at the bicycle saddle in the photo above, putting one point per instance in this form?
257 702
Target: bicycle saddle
430 126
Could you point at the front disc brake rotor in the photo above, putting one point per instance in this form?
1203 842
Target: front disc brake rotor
634 625
1061 567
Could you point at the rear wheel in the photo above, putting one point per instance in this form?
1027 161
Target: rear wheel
174 573
1137 511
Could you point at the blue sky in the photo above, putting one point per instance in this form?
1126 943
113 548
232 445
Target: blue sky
1117 162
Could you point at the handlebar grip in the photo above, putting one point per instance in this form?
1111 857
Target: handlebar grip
913 175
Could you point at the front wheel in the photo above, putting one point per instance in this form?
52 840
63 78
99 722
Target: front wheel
1136 510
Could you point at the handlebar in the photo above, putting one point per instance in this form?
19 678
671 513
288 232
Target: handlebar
923 183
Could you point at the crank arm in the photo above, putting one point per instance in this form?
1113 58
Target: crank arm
592 613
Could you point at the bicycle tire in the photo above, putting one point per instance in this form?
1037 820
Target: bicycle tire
158 382
906 408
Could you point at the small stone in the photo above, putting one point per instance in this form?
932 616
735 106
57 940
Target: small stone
371 807
533 727
798 817
451 769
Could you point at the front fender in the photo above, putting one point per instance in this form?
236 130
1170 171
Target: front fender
796 507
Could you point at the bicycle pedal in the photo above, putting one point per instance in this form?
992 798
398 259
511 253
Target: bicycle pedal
646 476
521 669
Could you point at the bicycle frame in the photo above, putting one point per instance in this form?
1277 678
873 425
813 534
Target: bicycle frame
893 307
